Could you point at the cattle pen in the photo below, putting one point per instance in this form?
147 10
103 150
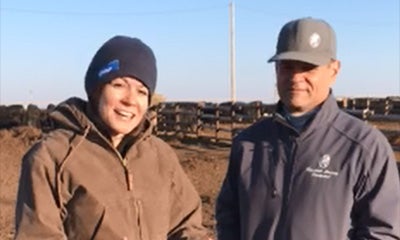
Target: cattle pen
218 123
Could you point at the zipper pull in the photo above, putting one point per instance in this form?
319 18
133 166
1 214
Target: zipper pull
274 193
129 179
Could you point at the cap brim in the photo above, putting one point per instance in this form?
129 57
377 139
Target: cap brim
314 59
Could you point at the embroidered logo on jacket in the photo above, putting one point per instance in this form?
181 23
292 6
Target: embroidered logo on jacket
324 162
322 171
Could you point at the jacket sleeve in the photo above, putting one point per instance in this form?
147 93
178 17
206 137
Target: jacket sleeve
186 211
227 206
37 215
376 211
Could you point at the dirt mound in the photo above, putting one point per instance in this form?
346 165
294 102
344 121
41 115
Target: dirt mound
205 165
13 144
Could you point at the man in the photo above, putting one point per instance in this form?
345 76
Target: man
311 171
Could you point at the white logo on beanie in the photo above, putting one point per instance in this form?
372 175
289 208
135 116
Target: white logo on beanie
315 40
111 66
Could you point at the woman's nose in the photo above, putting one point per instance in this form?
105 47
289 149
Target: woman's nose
131 96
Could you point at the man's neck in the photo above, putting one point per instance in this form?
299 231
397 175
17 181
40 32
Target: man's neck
299 121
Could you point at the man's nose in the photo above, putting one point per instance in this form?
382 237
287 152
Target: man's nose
297 76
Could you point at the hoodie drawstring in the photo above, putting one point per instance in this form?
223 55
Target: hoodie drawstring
75 142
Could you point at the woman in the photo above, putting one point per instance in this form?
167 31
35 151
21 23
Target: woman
100 174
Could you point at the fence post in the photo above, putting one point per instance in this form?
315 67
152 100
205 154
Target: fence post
345 103
217 113
353 103
198 118
233 120
154 118
258 111
178 132
387 106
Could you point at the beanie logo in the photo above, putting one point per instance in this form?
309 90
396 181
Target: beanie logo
110 67
315 40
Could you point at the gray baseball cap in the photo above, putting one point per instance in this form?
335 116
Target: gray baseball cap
308 40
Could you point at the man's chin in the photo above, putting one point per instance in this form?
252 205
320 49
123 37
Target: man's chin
296 103
296 108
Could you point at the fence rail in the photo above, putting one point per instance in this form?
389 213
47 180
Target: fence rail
221 122
218 122
225 120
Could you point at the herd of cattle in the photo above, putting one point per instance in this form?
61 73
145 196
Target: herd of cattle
193 114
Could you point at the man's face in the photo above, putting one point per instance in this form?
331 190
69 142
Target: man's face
122 105
303 86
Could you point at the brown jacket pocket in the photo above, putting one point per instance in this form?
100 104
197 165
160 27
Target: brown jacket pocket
84 217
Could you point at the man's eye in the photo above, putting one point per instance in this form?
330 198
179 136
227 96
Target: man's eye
286 68
309 68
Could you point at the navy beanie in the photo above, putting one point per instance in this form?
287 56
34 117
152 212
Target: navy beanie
122 56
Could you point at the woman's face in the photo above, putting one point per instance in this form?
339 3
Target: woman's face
122 105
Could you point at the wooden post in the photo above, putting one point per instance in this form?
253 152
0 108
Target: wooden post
155 110
258 111
217 114
177 121
387 106
232 113
198 118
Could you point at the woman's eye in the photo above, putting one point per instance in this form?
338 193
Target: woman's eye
117 84
143 92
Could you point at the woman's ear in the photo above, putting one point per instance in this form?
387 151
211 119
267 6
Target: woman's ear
94 98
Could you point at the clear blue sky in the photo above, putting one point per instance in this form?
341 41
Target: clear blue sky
46 46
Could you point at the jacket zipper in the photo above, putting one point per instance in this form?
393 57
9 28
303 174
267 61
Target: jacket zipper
128 173
128 178
129 183
286 195
124 161
290 171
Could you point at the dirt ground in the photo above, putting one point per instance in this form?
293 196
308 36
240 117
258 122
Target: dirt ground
204 164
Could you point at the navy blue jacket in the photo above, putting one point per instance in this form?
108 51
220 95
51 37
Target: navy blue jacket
337 179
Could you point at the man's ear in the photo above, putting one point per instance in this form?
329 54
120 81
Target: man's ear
335 66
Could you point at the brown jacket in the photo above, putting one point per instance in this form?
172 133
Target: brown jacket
75 185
